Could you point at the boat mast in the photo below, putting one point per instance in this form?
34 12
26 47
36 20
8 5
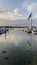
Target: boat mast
31 22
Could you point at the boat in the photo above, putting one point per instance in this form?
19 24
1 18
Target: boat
2 31
34 32
22 29
30 28
29 32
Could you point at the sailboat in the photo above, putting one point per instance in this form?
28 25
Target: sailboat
31 31
30 16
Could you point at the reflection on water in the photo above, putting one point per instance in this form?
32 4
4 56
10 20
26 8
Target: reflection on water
19 48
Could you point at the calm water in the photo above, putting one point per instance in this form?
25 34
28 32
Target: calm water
19 48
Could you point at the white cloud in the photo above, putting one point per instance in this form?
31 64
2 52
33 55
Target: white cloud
3 10
35 16
30 6
17 12
33 7
25 4
5 14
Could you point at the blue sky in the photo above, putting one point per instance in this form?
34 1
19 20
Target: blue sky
17 9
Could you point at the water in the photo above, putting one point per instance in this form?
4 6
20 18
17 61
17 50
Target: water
19 48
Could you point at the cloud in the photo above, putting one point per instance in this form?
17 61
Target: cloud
30 6
5 14
3 10
35 16
17 12
7 17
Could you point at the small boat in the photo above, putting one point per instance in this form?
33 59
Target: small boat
29 31
22 30
2 31
34 32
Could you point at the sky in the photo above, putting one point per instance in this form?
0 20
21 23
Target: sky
17 9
